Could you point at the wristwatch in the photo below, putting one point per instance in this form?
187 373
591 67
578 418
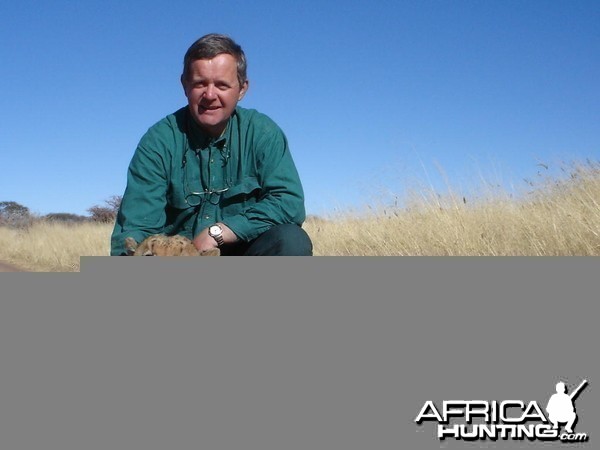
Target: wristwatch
216 232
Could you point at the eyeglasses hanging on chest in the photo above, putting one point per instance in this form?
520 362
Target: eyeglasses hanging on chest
210 194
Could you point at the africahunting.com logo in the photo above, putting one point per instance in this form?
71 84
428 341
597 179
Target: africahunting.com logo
508 419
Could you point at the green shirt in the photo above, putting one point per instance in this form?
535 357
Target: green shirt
181 180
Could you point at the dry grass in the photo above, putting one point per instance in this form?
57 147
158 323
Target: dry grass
53 247
559 217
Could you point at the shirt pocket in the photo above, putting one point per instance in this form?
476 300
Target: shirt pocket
240 197
179 213
176 199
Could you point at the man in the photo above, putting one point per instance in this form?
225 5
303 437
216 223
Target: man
560 408
217 173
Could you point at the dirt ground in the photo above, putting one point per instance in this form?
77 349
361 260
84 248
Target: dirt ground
4 267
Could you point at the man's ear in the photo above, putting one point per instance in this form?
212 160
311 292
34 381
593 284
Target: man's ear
243 90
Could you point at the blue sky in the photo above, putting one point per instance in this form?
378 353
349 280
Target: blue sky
375 97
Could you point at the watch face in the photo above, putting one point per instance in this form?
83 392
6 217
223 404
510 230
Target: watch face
215 229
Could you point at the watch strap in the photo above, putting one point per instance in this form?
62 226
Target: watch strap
218 237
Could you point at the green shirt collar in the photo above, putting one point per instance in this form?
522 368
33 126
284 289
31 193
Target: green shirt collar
200 139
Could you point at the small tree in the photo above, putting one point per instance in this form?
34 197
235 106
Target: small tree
114 202
101 214
14 214
108 212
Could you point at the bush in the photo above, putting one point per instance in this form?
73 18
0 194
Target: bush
15 215
65 218
108 212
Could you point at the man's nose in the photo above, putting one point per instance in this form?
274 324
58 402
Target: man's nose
210 92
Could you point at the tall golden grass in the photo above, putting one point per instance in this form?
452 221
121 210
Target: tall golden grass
559 217
53 246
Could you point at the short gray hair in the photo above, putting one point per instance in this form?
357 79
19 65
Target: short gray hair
211 45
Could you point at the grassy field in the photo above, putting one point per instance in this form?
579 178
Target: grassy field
559 217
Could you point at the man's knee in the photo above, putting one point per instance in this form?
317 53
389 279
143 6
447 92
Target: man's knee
282 240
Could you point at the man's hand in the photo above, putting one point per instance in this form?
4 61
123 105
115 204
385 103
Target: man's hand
204 241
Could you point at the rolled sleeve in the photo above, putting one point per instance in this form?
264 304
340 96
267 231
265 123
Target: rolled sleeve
142 211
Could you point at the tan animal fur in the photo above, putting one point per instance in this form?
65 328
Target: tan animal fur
161 245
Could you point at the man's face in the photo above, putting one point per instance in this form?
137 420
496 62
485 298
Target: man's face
213 91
